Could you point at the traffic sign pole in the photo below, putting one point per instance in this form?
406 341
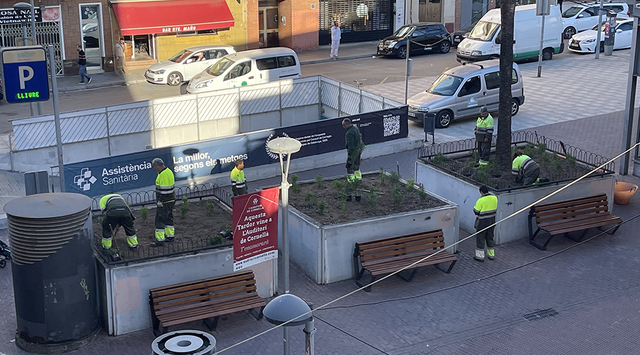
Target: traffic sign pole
26 43
56 114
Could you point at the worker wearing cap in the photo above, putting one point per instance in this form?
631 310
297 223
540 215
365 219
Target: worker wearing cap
165 201
525 169
485 211
116 211
484 134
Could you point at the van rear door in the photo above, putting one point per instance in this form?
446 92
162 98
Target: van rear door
288 67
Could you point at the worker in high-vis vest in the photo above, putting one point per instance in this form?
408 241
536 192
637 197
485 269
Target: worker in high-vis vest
116 211
354 144
165 201
485 211
484 134
238 182
524 169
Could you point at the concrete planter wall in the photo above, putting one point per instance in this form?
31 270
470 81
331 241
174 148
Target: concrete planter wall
125 288
325 252
465 195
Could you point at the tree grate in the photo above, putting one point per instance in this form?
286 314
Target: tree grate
541 313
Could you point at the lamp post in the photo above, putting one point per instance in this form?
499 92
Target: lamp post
288 307
20 7
285 146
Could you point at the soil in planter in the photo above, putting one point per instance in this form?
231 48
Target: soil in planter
552 166
389 196
194 231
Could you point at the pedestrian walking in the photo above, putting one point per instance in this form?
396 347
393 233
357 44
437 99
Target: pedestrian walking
355 146
165 201
524 169
485 211
82 65
484 134
335 39
116 211
119 59
238 182
560 4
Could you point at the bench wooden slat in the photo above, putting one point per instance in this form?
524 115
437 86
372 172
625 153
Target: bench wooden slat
389 267
378 249
567 203
575 228
203 299
570 212
401 258
401 250
400 239
575 219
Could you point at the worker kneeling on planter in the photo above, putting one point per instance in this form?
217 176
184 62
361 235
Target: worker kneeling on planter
116 211
524 169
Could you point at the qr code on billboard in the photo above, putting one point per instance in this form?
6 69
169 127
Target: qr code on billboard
391 125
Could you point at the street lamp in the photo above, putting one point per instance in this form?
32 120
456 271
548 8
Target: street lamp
288 307
285 146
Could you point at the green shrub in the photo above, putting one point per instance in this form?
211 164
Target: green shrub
396 195
310 199
529 149
394 177
423 195
209 208
295 187
100 219
184 209
383 176
571 160
321 207
144 213
482 176
541 148
216 239
493 167
372 198
319 181
343 206
411 186
185 199
439 159
338 185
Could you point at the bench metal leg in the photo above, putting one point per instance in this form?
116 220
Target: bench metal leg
211 323
612 232
543 246
410 277
359 284
568 235
258 314
447 270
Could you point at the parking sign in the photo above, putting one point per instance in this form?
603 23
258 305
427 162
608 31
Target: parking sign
24 74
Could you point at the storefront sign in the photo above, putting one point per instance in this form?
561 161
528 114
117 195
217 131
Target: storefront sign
11 16
189 161
255 227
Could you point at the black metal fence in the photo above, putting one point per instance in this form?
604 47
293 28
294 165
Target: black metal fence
178 247
587 159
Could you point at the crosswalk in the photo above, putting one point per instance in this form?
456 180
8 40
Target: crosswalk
571 87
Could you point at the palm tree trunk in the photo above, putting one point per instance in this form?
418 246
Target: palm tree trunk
503 143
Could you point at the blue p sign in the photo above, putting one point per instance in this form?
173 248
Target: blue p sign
24 71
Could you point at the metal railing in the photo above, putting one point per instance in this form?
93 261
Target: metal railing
155 116
466 147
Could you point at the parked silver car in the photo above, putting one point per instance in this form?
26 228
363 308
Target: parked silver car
463 90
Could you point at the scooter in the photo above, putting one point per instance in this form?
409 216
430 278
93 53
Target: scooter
5 254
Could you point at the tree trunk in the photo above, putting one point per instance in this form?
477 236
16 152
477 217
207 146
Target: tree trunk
503 143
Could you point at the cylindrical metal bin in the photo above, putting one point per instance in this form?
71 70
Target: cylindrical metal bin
53 268
184 342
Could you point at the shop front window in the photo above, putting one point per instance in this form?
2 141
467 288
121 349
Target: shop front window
356 15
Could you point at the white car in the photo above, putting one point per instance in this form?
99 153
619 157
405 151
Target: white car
579 18
184 65
585 42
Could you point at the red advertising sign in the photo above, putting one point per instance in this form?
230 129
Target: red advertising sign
255 227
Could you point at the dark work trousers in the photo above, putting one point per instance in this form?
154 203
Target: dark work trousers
353 163
484 149
111 221
486 236
531 174
164 215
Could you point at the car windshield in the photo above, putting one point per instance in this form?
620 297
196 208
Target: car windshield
403 31
483 31
445 85
572 11
220 67
180 56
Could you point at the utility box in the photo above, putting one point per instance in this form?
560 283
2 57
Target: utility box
609 32
36 182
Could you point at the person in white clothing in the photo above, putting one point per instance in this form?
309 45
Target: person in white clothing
335 39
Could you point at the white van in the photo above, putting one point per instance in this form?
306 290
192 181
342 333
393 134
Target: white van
483 42
252 67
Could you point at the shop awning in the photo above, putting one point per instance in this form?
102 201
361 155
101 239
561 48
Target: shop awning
171 16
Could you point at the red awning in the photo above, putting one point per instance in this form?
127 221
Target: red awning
170 16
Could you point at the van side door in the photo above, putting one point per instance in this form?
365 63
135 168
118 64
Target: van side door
239 75
469 99
491 91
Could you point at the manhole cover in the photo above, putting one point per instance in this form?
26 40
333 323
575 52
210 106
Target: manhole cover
539 314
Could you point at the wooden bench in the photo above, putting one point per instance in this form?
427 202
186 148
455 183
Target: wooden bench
385 256
564 217
205 300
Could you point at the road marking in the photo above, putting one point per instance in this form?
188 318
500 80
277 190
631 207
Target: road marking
383 80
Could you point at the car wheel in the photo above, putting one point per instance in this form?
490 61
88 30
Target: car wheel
402 52
3 263
445 46
547 54
569 32
515 107
444 118
174 79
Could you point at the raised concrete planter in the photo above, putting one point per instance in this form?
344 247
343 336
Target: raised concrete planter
465 194
325 252
125 288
